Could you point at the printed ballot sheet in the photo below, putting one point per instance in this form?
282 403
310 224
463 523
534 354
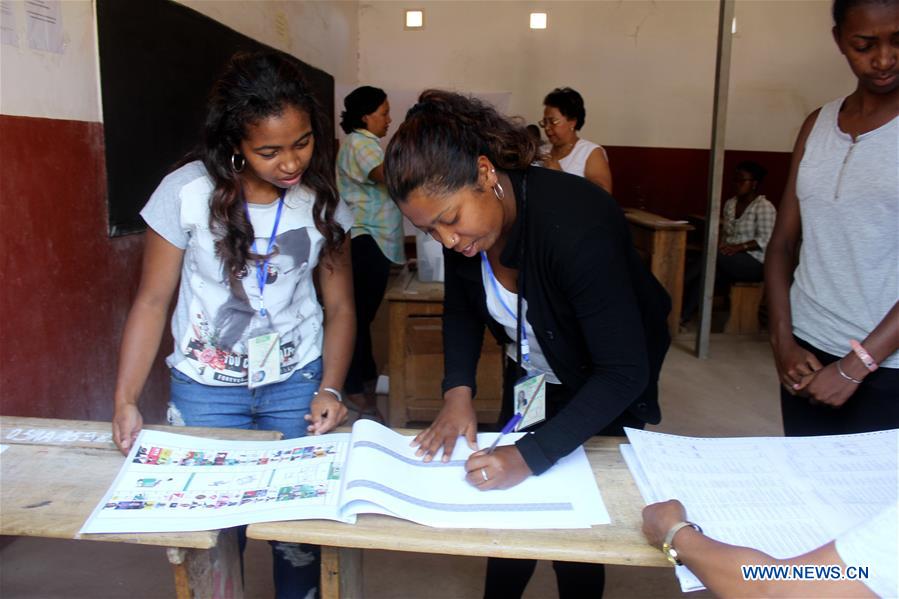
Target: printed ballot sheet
782 495
175 482
385 476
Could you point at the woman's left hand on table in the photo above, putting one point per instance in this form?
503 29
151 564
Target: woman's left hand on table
502 469
325 414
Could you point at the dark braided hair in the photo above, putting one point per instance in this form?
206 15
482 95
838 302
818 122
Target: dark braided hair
253 87
437 146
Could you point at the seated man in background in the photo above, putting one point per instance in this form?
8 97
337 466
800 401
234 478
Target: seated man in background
747 222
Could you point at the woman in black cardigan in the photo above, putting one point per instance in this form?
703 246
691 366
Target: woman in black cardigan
594 318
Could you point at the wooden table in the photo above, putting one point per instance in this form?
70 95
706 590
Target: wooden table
620 542
54 472
415 356
663 244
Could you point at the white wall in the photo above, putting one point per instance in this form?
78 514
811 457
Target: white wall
321 33
784 65
65 86
47 84
645 68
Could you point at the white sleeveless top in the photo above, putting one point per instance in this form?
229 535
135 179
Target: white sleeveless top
848 274
576 161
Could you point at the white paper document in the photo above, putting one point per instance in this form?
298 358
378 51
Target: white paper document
781 495
179 483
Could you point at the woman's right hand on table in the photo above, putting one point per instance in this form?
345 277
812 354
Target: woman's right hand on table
457 417
793 363
126 424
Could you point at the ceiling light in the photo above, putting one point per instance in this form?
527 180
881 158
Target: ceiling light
538 20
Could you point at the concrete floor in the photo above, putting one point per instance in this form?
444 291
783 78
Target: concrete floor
733 393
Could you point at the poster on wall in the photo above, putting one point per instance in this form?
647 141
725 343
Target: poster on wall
44 23
8 34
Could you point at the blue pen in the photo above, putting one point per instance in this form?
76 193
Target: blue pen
513 422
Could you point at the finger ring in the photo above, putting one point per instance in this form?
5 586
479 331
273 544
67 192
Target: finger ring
484 473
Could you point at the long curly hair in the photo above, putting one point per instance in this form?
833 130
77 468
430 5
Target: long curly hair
253 87
437 146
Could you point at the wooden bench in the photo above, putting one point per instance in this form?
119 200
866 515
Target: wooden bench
54 473
745 299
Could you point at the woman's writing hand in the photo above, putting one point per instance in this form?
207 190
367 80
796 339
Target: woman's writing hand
456 418
126 424
794 364
502 469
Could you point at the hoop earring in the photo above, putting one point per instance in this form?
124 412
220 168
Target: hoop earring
238 162
498 191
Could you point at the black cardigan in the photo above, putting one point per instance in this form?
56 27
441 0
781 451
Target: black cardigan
598 313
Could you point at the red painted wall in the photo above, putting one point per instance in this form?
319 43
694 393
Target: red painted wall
66 285
674 181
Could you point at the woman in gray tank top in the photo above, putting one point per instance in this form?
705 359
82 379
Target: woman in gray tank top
835 329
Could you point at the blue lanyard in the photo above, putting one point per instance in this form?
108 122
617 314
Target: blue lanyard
262 265
525 347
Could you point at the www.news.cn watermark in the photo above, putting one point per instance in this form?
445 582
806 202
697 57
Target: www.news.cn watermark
804 572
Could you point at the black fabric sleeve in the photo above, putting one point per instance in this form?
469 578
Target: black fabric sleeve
593 275
463 328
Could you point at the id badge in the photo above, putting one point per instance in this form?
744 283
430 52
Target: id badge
263 359
530 400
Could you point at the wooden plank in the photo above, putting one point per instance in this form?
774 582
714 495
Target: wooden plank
668 257
49 491
98 435
341 572
396 350
54 473
664 248
620 542
653 221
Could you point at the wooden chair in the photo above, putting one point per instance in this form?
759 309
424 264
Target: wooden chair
745 299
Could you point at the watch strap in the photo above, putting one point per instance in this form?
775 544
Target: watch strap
668 546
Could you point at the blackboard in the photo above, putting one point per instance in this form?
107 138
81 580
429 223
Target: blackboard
158 60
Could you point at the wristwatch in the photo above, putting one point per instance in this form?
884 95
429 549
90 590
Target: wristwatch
668 549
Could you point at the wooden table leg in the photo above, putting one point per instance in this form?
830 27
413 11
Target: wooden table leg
396 411
667 264
208 573
341 573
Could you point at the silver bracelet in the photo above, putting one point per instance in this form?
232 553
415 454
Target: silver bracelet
846 376
332 391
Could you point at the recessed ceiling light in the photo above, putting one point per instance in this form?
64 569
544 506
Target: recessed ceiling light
415 19
538 20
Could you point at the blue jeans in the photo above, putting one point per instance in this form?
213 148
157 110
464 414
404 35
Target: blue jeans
276 407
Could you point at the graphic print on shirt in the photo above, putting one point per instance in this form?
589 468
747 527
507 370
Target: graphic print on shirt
219 342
